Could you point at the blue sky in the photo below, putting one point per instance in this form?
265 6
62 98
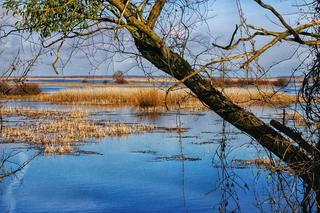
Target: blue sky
218 28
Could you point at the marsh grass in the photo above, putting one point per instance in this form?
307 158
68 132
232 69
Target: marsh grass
260 97
58 131
141 98
38 113
146 98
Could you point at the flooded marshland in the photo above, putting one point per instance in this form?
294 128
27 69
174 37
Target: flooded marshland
187 162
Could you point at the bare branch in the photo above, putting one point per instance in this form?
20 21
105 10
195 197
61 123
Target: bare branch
155 13
281 19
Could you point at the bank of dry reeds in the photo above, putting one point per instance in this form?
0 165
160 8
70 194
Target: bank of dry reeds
156 98
242 82
142 98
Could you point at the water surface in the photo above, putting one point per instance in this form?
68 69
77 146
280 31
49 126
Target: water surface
143 172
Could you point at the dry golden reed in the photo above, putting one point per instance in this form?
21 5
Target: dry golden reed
144 98
260 97
155 98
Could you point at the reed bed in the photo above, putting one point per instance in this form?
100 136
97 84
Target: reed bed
58 131
135 97
260 97
145 98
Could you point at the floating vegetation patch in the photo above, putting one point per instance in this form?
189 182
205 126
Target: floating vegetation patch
188 136
174 129
39 113
145 152
178 158
263 162
85 152
207 142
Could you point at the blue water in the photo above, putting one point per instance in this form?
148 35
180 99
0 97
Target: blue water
49 89
96 81
121 178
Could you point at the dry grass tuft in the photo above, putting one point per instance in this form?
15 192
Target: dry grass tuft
61 149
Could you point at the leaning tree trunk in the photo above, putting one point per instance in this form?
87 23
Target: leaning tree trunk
174 65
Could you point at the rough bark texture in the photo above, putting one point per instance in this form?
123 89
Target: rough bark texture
245 121
295 136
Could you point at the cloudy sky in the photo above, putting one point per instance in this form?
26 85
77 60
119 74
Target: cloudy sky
98 61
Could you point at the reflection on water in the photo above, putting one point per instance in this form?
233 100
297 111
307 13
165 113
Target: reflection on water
127 175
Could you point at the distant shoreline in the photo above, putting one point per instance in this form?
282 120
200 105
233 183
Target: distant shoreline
136 78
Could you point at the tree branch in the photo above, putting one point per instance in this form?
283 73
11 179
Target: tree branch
155 13
295 136
281 19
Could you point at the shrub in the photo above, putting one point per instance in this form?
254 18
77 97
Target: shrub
223 82
19 88
149 98
25 89
85 81
105 82
118 77
246 82
281 82
4 87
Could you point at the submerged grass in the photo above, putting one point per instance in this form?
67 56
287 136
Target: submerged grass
57 131
146 98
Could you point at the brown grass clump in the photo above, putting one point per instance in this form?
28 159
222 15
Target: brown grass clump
51 149
156 98
57 131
